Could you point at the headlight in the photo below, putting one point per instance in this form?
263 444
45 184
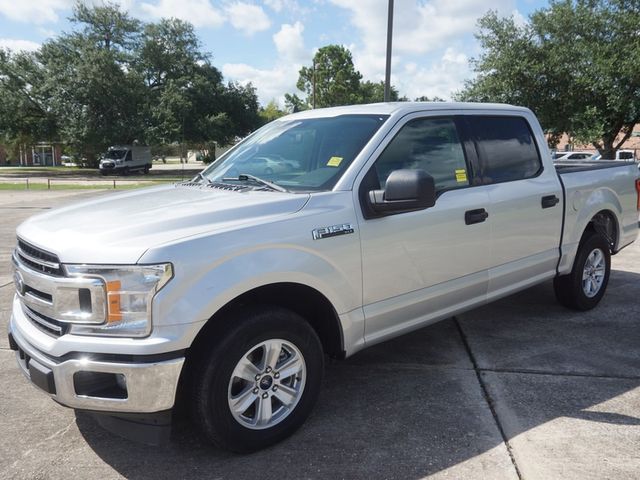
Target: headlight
129 292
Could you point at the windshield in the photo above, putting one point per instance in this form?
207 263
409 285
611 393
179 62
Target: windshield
299 155
115 154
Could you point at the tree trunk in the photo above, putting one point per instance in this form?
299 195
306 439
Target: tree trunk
607 150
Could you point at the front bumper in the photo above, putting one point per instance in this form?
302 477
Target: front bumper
144 386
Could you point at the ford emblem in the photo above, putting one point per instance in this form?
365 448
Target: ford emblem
19 282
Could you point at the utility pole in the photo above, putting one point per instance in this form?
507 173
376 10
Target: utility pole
387 76
314 84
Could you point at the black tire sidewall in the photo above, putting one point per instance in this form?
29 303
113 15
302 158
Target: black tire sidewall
212 383
590 243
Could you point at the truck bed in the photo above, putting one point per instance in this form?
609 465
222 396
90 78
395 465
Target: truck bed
568 166
591 187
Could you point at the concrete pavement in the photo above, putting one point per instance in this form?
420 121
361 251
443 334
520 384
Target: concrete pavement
522 388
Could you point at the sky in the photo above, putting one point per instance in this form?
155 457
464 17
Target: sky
267 41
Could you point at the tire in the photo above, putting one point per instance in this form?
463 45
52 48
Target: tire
585 286
146 169
126 171
241 350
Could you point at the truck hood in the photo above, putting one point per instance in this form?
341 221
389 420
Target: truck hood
118 229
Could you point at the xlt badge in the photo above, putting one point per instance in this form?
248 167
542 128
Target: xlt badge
332 231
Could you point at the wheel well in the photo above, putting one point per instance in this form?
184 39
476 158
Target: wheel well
604 223
305 301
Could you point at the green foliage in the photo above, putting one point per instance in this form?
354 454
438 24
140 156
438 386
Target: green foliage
271 112
575 64
114 80
424 98
293 103
336 81
371 92
23 113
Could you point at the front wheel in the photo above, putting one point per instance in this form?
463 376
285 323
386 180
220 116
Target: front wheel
585 286
260 380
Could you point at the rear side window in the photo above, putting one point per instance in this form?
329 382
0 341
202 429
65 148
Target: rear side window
506 148
429 144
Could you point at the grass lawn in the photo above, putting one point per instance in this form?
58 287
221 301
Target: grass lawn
40 169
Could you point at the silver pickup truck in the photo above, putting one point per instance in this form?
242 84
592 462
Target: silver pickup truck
322 233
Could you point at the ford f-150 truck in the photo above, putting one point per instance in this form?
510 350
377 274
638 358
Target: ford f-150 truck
227 291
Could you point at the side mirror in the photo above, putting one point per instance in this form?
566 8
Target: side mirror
405 190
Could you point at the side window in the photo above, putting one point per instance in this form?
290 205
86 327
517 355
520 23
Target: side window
129 157
506 148
430 144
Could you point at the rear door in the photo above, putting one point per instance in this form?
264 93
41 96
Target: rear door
420 266
526 202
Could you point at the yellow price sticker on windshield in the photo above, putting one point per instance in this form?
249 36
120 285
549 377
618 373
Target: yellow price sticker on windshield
461 175
334 162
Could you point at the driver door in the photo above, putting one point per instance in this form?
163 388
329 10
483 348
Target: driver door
424 265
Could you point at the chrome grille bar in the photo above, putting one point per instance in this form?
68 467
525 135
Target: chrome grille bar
39 261
42 322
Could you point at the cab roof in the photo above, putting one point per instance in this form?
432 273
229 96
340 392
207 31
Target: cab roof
401 108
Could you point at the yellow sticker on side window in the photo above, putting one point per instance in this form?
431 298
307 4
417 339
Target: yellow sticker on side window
334 162
461 175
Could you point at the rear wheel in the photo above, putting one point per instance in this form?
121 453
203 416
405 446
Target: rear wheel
146 169
260 380
585 286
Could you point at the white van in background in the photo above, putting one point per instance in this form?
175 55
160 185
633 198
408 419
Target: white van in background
125 159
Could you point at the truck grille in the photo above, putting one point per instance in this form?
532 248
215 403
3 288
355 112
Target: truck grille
38 259
44 323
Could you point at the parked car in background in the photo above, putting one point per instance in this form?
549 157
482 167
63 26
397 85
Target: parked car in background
573 155
626 155
125 159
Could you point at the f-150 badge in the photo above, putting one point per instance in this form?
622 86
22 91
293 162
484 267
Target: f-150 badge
332 231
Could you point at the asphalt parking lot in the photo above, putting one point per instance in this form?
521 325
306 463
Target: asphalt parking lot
522 388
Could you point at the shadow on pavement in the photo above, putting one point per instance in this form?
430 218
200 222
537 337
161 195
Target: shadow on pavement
413 407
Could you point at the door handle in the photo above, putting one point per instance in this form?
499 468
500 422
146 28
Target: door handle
550 201
475 216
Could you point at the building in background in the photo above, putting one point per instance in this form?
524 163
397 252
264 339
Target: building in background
40 154
633 143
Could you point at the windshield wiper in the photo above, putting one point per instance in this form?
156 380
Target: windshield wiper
245 177
201 177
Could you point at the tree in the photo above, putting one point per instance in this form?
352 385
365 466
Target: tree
332 79
89 83
574 63
187 99
373 92
115 80
293 103
106 27
23 108
424 98
271 112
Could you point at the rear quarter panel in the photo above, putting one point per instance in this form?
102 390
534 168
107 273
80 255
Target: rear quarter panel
590 192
